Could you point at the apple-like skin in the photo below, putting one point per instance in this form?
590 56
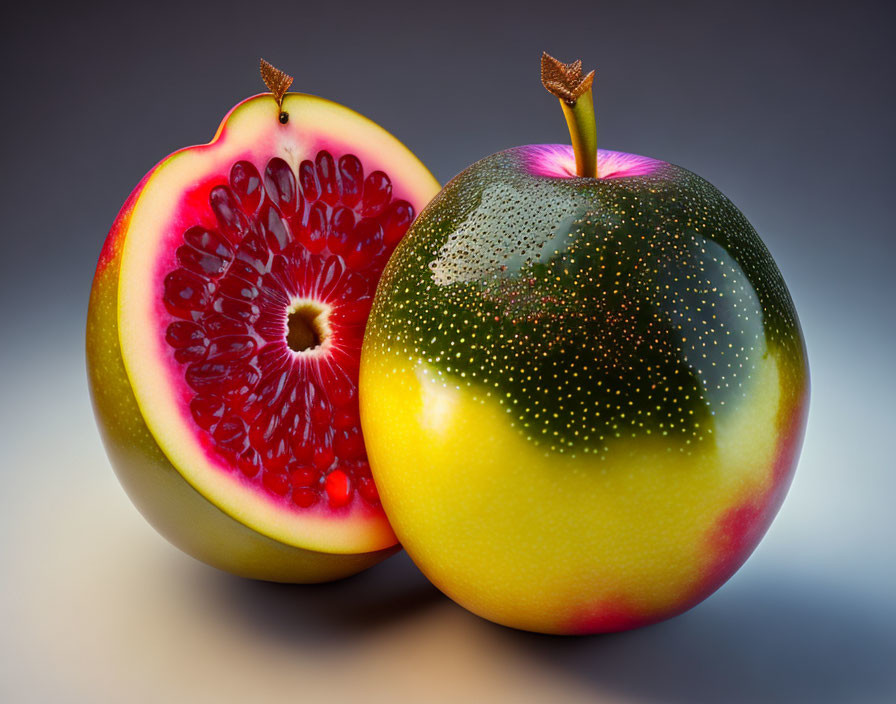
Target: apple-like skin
170 504
583 399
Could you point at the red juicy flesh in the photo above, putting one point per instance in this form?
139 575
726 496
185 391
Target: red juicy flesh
287 421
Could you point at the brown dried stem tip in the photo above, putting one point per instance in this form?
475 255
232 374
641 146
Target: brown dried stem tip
574 91
564 80
276 80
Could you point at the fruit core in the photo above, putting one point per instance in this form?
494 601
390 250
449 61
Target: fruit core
307 326
265 317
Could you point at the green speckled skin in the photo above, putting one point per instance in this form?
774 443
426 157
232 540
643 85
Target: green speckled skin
591 309
159 491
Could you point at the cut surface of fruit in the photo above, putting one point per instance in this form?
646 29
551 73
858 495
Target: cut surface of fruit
267 315
247 272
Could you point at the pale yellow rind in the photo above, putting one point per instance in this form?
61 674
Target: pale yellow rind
538 540
251 131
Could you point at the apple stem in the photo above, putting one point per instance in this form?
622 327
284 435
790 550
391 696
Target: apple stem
574 92
583 132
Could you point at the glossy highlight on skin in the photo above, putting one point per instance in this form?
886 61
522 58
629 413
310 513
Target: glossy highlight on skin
583 398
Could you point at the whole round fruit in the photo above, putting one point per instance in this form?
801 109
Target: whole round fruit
583 395
224 332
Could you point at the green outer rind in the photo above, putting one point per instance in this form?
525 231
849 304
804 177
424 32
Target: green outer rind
532 289
170 504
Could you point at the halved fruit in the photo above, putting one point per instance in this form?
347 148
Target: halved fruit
224 335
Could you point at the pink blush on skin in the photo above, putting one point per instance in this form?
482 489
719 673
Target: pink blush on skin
559 161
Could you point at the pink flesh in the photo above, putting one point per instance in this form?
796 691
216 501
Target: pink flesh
559 161
286 421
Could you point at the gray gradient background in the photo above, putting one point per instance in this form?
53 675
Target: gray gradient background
789 110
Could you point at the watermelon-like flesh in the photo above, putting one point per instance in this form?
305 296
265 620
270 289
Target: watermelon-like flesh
224 336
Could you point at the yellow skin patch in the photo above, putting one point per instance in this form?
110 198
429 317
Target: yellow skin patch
536 539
